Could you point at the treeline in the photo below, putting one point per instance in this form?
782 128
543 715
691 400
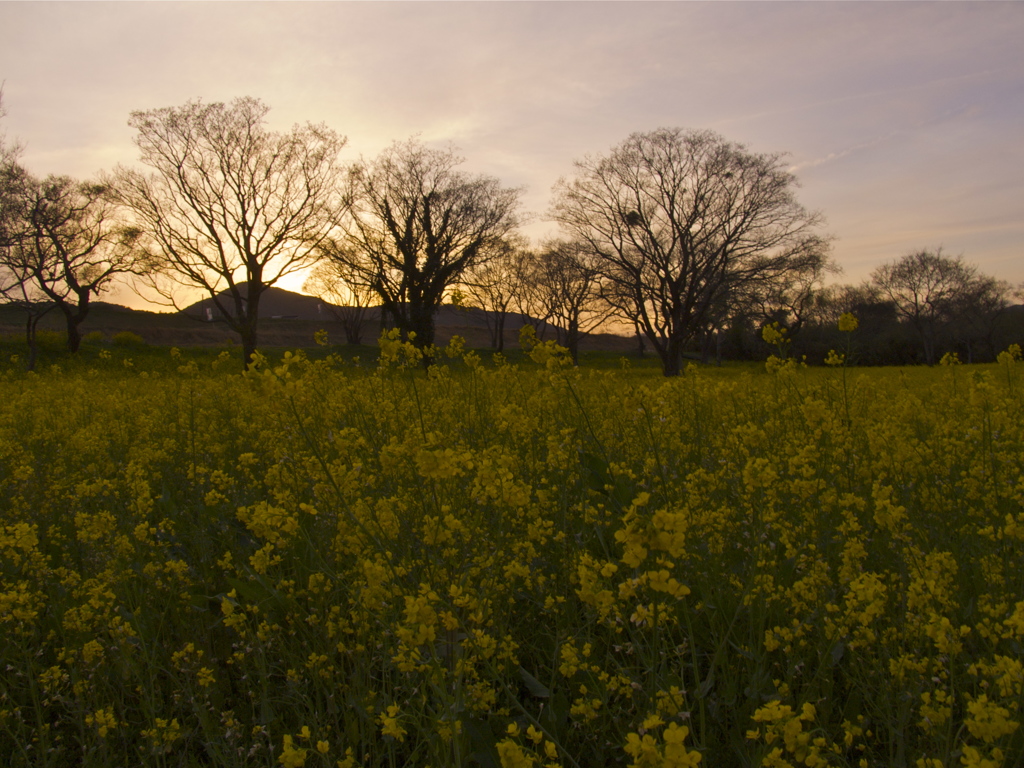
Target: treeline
913 310
686 240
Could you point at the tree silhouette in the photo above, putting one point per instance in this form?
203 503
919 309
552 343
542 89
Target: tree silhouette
931 291
680 219
417 224
68 247
230 207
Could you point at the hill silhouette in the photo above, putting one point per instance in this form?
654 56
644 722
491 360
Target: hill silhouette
287 319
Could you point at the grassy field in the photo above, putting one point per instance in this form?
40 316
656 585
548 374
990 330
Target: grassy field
335 562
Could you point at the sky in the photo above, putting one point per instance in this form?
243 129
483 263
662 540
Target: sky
903 122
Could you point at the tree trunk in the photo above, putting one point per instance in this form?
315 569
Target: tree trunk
249 319
353 325
74 337
670 353
30 339
421 322
498 336
705 348
73 317
929 351
248 333
670 365
245 318
572 341
675 355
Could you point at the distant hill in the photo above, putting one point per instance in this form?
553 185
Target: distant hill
288 319
275 303
281 304
281 308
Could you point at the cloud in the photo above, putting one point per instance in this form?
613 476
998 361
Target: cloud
843 153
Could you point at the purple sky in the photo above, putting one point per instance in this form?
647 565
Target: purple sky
904 121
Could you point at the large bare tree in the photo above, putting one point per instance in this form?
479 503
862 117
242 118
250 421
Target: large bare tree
417 224
68 248
230 207
681 220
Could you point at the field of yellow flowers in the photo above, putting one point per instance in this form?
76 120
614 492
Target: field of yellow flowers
322 564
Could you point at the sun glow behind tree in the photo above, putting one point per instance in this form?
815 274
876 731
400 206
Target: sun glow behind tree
230 207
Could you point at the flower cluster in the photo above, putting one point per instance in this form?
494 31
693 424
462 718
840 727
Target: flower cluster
318 564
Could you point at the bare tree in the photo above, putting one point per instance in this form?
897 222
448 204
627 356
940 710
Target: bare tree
977 314
342 289
835 300
680 218
929 290
230 207
70 247
14 290
15 287
417 225
791 302
570 275
26 296
494 283
532 301
13 179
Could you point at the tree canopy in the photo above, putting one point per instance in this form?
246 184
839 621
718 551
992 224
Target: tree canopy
932 291
417 223
66 247
230 207
681 221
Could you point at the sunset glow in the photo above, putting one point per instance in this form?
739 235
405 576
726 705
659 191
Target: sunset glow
903 121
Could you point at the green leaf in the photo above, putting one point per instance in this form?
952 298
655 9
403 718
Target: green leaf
253 591
483 743
533 685
595 470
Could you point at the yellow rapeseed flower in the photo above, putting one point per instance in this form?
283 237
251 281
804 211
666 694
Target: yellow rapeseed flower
848 322
390 725
292 756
